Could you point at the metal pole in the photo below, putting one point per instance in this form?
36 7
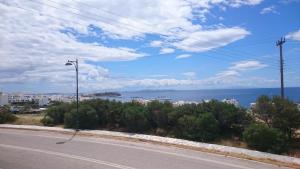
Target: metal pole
77 119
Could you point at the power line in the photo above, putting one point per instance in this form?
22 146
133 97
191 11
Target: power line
223 53
98 18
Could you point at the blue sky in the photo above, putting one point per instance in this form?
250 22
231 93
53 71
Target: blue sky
134 45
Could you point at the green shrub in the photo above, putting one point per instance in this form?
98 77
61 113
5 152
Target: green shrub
158 113
263 138
55 114
86 118
135 117
230 118
280 113
47 121
202 128
286 117
7 117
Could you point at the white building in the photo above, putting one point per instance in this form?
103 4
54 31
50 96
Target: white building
231 101
181 102
62 98
19 98
252 105
3 99
43 100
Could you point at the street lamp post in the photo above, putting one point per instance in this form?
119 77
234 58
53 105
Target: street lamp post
75 63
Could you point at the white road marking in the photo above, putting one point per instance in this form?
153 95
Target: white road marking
67 156
147 149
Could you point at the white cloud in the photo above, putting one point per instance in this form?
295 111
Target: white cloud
238 3
183 56
34 48
232 76
166 50
200 41
189 75
294 35
228 73
270 9
156 43
35 45
247 65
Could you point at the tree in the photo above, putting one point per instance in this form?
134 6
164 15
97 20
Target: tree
278 113
264 109
55 114
6 116
230 118
263 138
86 118
202 128
286 117
158 113
134 117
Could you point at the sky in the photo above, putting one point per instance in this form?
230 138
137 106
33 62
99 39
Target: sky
125 45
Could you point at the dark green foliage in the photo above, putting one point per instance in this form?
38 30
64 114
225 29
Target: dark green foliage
263 138
134 117
200 122
287 116
86 118
48 121
55 114
278 113
158 113
203 128
227 115
264 109
113 113
6 116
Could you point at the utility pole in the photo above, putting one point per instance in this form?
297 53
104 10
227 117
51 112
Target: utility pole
280 43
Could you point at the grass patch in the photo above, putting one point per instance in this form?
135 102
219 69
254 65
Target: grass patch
231 143
29 119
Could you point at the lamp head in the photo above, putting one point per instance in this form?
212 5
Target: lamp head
68 64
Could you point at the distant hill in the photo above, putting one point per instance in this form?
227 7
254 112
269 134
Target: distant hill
104 94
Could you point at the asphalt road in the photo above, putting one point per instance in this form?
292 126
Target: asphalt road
23 149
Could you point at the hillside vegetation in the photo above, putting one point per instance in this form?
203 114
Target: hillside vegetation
269 127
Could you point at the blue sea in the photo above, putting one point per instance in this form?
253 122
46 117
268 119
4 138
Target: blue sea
244 96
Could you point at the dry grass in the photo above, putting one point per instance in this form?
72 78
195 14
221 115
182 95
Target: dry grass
29 119
231 143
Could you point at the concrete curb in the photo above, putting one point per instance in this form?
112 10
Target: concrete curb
172 141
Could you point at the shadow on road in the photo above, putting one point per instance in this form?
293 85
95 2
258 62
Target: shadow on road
70 139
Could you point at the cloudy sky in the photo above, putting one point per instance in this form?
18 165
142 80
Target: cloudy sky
147 44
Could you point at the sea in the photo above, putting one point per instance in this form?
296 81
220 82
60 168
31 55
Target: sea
243 96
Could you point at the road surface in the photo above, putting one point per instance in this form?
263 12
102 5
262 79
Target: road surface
24 149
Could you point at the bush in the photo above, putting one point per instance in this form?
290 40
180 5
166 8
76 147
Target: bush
287 116
230 118
86 118
7 117
203 128
279 113
55 114
47 121
158 113
135 117
263 138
